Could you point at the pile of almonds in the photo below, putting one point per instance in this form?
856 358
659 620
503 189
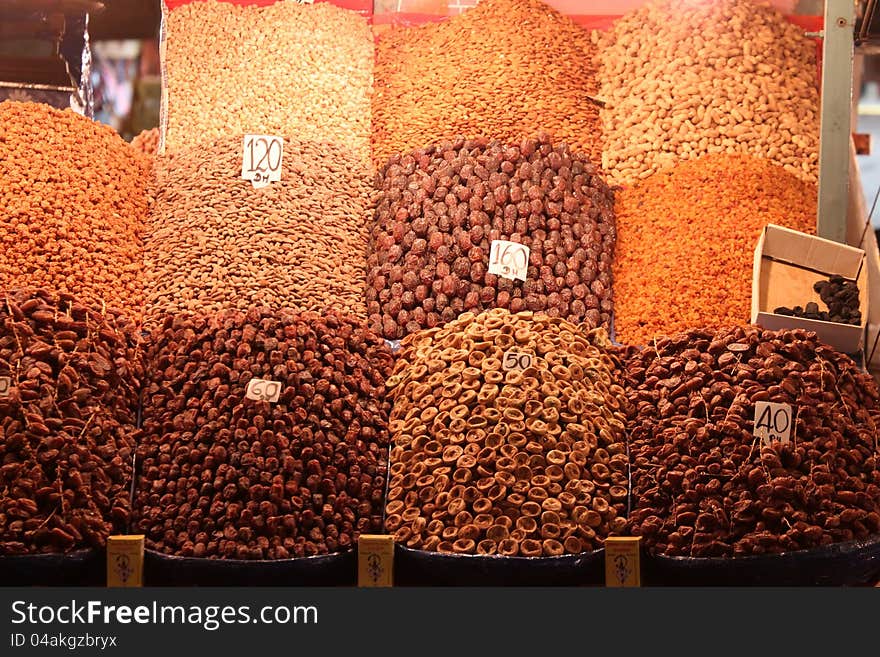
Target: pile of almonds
488 458
69 386
505 69
222 475
441 208
214 242
73 200
705 486
287 68
682 79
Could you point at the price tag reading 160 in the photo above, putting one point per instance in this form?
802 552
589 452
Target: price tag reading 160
261 159
262 390
509 259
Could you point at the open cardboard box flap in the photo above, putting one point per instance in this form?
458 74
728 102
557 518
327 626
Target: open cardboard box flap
787 264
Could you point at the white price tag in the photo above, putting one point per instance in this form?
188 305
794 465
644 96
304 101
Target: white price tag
262 390
5 385
772 422
261 159
509 259
516 360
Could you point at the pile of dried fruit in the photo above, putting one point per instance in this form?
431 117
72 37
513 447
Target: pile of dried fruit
489 458
686 239
147 142
443 206
283 69
684 79
222 475
505 69
214 242
704 486
72 206
69 385
841 296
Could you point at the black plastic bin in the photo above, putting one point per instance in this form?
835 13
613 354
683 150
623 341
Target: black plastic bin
77 568
338 569
422 568
843 564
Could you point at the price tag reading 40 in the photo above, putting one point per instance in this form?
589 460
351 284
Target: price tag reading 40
261 160
509 259
262 390
772 422
516 360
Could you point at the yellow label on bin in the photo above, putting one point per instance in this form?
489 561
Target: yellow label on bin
375 560
622 557
125 561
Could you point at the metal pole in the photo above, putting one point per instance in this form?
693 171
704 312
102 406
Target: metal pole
836 117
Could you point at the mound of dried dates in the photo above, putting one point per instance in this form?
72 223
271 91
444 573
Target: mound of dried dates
508 438
441 208
69 386
839 294
705 486
226 472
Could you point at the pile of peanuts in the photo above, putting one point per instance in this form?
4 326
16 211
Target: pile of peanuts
441 208
488 460
222 475
147 142
704 486
73 201
505 69
288 68
686 239
683 79
69 386
214 242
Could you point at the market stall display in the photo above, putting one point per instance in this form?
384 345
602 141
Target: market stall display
147 142
686 238
683 79
506 69
214 242
73 202
264 436
69 385
286 68
508 435
706 483
442 207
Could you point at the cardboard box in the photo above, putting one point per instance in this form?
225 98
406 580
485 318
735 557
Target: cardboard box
787 264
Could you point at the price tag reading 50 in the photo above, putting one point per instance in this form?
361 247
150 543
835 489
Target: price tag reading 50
516 360
261 160
509 259
262 390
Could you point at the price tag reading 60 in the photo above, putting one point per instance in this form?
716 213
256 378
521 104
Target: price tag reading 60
509 259
516 360
262 390
261 160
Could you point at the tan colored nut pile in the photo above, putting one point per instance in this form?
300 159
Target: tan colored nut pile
284 69
72 207
214 242
515 463
505 70
683 79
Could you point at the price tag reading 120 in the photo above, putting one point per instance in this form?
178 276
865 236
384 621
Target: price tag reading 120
509 259
261 160
262 390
